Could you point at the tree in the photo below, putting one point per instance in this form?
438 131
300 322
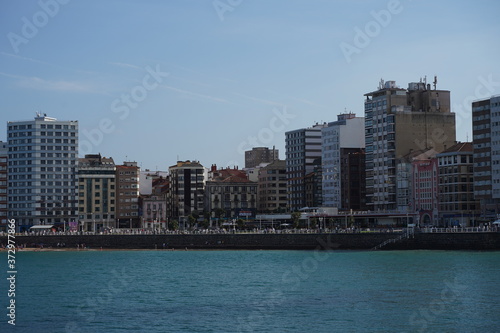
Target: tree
241 224
296 218
174 225
219 213
191 221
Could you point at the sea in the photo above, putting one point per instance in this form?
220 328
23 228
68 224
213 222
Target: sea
252 291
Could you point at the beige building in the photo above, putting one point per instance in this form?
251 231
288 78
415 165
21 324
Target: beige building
260 155
272 188
96 193
457 204
398 121
127 195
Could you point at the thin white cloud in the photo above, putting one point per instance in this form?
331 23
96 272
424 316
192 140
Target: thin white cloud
121 64
43 63
190 93
61 85
189 81
11 75
265 101
305 101
27 59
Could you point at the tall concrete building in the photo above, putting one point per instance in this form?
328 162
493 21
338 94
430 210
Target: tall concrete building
260 155
303 147
186 195
127 195
96 193
486 138
352 179
3 185
272 188
397 121
313 182
457 204
339 139
43 156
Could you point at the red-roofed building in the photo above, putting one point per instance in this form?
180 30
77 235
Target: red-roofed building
232 191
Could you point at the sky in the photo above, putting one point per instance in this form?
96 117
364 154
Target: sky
157 81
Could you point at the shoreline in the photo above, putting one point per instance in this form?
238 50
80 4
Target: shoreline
287 241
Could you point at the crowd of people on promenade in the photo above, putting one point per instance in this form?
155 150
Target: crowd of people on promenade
350 230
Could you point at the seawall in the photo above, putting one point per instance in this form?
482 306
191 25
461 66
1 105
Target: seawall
329 241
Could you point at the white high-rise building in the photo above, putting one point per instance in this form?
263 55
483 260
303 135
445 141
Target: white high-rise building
348 132
303 148
43 156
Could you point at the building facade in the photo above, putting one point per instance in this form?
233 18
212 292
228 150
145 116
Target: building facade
397 121
231 191
303 147
96 193
339 139
313 183
271 188
486 138
457 204
260 155
352 179
186 195
127 195
425 201
154 205
42 161
4 154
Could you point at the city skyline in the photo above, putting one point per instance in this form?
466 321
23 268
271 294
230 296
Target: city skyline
208 80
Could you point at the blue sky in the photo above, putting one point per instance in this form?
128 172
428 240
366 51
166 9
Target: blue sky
157 81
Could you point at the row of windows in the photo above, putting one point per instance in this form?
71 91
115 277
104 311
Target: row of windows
42 126
43 148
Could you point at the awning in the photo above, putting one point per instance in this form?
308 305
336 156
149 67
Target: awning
42 227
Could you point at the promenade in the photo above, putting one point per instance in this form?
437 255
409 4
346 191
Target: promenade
292 239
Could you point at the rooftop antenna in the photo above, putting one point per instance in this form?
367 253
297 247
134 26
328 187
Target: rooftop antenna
381 84
435 81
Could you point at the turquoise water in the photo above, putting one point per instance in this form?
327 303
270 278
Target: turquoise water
255 291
